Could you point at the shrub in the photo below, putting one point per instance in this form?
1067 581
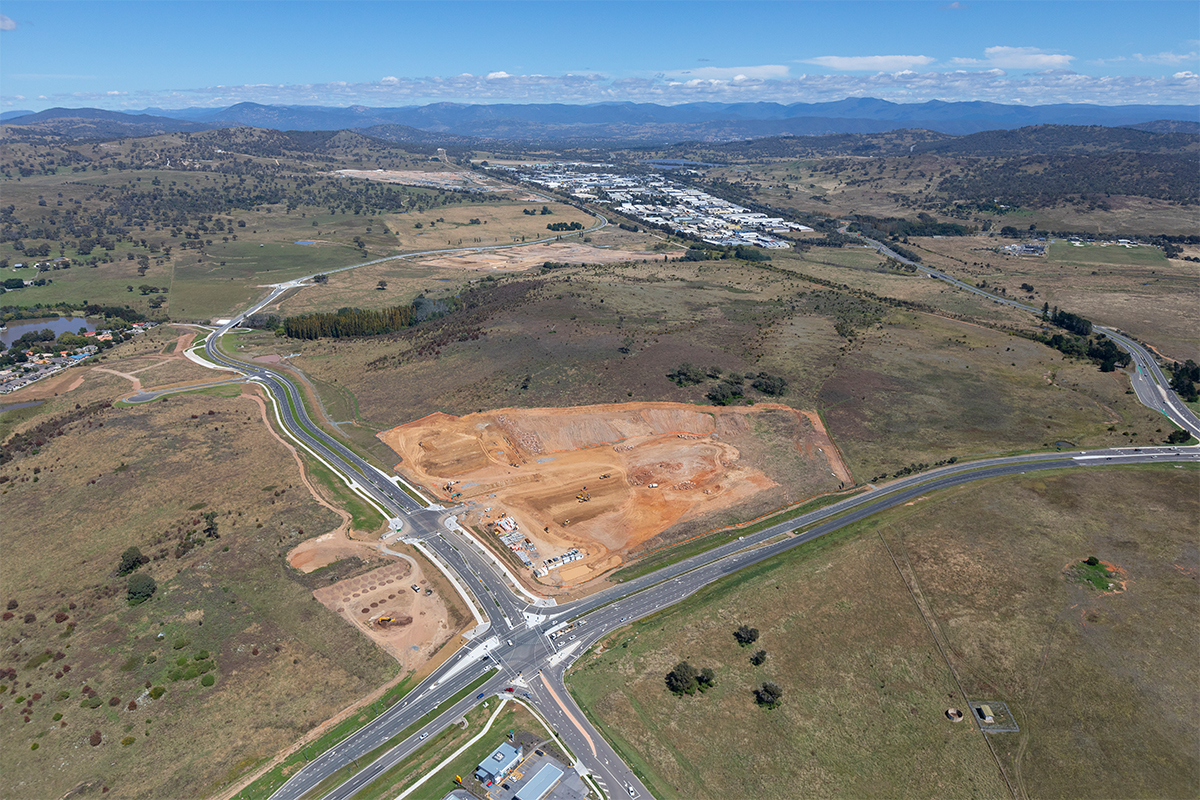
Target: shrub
141 588
95 739
769 384
128 740
746 635
150 659
208 680
157 692
1092 561
769 695
758 658
132 705
682 679
203 654
131 559
181 643
182 661
57 716
33 746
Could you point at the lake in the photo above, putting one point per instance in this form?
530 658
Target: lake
18 328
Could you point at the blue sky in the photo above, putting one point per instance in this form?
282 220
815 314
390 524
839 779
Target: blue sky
133 55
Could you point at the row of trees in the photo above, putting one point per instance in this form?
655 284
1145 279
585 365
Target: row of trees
1184 378
351 322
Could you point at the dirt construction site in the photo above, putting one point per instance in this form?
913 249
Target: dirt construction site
408 623
573 491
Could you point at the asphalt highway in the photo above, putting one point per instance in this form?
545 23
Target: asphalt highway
515 642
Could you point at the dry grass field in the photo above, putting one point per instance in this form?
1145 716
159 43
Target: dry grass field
1134 289
144 476
1102 685
898 387
499 223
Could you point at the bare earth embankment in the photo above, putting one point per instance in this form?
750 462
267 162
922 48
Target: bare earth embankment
603 480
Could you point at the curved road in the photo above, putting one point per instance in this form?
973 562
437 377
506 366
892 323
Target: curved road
515 641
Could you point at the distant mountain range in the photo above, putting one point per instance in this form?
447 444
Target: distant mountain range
614 122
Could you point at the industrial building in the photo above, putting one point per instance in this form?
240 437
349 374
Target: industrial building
541 784
499 763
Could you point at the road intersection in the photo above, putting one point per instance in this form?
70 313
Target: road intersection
514 645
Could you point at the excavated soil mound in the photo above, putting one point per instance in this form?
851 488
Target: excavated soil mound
595 482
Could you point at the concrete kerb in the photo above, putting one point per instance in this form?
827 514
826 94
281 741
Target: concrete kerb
450 576
451 523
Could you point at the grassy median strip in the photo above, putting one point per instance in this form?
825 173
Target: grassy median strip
673 555
347 772
363 516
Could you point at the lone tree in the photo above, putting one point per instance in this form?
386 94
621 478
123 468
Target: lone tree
322 278
682 679
706 679
131 559
210 525
769 695
759 658
141 588
746 635
381 285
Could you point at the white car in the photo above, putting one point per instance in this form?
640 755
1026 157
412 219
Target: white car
422 736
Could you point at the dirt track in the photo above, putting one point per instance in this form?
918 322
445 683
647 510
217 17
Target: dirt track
522 258
602 479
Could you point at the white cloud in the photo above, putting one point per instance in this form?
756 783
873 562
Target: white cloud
1167 58
7 23
955 6
870 63
491 76
1017 58
760 72
390 80
904 85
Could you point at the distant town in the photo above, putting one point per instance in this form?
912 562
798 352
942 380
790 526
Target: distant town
656 200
